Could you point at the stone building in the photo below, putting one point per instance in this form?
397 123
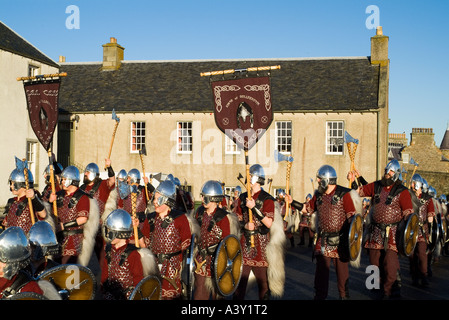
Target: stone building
19 58
167 107
433 163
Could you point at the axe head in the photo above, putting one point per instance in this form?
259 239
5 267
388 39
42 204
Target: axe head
240 176
21 165
269 180
281 157
143 151
114 116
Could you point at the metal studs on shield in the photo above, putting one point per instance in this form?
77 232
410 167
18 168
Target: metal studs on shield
355 236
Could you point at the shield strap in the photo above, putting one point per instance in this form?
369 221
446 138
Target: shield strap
218 216
394 191
167 220
125 254
21 280
94 188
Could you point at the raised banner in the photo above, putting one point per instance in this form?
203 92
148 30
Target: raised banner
42 103
243 109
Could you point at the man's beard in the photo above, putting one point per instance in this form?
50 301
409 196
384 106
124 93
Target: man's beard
321 189
86 180
386 182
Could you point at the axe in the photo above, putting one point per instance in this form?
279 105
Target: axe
348 140
414 169
280 157
143 151
117 121
239 178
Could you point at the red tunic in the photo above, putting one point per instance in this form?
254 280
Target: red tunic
72 243
331 218
220 230
101 194
426 211
126 275
31 286
257 256
23 220
400 207
172 239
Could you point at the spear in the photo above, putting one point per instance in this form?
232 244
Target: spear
22 165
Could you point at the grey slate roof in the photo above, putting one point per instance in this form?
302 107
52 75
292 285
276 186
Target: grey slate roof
12 42
345 84
445 142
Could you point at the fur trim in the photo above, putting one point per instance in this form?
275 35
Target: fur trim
110 205
194 225
149 262
90 231
314 221
276 254
49 290
234 224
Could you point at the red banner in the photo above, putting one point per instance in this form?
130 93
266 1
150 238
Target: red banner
243 109
42 103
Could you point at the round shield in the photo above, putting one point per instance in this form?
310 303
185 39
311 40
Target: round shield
149 288
26 296
73 281
355 236
188 269
228 265
442 225
408 235
434 236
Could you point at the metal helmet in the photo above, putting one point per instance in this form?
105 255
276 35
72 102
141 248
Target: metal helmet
42 240
257 174
17 177
327 176
309 196
443 199
167 192
418 181
238 189
14 251
121 175
134 176
92 170
432 192
47 169
118 225
170 177
425 186
71 174
212 192
281 194
177 182
394 166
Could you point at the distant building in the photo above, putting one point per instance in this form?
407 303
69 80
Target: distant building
433 163
167 107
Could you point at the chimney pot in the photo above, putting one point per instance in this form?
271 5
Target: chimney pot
113 40
379 31
61 59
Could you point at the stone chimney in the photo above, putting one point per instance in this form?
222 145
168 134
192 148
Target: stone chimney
113 55
61 59
379 48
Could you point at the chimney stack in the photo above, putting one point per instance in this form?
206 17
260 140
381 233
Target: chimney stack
379 48
113 55
61 58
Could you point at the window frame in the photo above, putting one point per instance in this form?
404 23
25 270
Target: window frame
137 144
287 137
327 142
180 135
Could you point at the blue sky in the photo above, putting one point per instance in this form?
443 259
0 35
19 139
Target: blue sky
239 29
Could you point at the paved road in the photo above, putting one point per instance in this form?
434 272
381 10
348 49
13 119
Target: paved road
300 272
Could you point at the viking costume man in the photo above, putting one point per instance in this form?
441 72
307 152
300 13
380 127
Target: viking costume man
14 258
124 265
169 236
216 224
266 258
79 219
334 206
423 206
391 203
17 211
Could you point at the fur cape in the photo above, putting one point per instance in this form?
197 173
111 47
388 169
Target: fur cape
89 232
